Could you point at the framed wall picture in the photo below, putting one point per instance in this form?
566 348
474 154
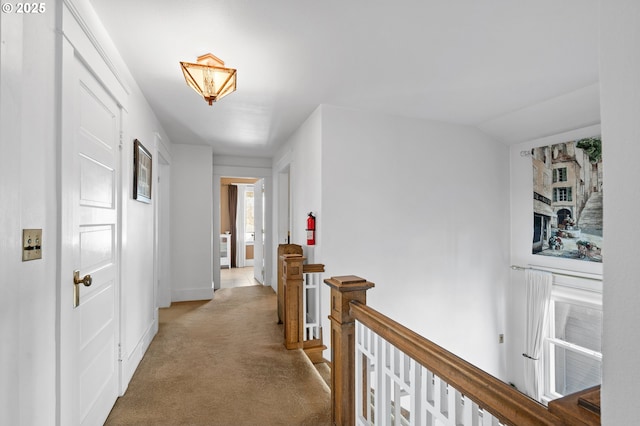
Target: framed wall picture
567 199
141 172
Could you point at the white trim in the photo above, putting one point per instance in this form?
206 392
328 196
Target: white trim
575 348
241 171
219 171
191 294
74 6
574 295
130 364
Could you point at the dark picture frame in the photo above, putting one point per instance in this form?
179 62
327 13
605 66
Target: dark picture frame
142 168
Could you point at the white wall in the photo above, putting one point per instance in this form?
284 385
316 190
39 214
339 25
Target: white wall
420 209
300 159
138 286
28 195
306 188
620 109
417 207
191 222
163 225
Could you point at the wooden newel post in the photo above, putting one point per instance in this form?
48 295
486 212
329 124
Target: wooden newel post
292 274
284 249
344 289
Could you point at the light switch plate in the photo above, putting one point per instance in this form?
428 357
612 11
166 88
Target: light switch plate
31 244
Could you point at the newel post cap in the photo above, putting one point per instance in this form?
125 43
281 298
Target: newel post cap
292 266
346 283
345 289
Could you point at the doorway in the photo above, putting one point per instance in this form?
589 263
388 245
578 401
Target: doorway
241 223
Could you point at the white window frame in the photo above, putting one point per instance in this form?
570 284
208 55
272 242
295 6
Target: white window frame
586 297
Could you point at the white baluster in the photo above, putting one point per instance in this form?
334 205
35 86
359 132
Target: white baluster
358 368
317 282
451 404
387 379
415 393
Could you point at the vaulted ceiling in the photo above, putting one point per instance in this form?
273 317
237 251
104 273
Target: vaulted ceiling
514 69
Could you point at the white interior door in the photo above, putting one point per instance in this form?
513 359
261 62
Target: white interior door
245 225
258 223
90 164
241 248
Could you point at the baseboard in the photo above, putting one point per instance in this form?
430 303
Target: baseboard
191 294
129 362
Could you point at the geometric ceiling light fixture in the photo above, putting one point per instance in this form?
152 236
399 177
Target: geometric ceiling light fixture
209 77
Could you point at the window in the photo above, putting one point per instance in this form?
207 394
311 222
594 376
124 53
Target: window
562 194
560 174
573 355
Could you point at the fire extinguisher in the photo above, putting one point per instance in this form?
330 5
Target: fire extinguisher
311 230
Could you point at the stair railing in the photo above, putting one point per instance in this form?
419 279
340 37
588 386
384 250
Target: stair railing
385 374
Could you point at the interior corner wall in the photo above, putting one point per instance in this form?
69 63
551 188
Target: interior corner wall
620 109
306 175
301 157
280 224
191 222
421 209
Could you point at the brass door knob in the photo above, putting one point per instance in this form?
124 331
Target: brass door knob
86 280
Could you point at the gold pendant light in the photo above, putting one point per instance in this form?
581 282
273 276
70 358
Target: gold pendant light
209 77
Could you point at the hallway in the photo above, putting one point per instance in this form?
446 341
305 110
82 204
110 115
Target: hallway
222 362
237 277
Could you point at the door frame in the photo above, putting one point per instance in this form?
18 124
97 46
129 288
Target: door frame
221 170
258 240
162 219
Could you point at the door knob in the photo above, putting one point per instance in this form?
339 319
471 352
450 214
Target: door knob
86 280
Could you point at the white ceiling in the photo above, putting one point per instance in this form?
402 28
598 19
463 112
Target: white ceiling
515 69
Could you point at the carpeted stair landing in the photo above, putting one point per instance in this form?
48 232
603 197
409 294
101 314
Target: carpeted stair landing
223 362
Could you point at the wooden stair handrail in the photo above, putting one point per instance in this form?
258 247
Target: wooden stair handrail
312 268
509 405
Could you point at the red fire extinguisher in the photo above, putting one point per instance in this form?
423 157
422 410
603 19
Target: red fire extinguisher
311 230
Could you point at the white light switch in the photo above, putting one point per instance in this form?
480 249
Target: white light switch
31 244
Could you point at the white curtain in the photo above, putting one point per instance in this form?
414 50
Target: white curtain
538 296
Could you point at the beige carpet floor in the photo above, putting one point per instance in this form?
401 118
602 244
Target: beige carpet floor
222 362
